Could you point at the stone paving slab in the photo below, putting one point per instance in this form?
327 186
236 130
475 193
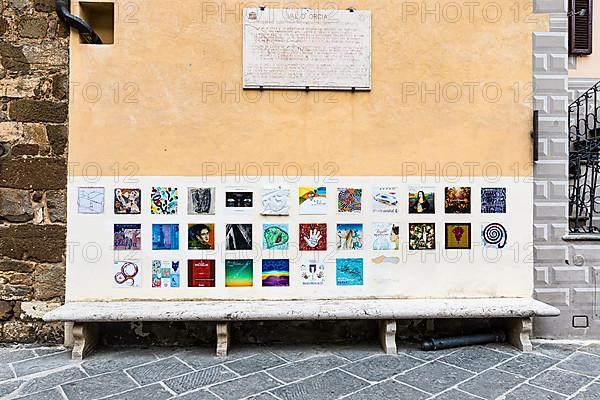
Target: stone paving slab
554 371
558 351
389 390
310 366
104 361
475 358
263 396
99 386
593 348
532 392
151 392
52 394
330 385
560 381
582 363
201 378
17 355
44 351
591 392
527 365
158 370
41 364
255 363
491 384
198 395
246 386
455 394
434 377
6 388
381 367
6 372
199 359
52 380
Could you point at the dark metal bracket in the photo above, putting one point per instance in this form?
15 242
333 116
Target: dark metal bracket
535 135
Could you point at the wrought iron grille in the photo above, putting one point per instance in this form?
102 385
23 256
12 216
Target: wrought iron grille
584 164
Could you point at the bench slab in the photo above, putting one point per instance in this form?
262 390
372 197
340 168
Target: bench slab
86 315
254 310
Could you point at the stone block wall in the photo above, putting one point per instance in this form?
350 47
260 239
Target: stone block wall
566 272
34 92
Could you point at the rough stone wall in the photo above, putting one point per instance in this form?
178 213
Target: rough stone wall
34 95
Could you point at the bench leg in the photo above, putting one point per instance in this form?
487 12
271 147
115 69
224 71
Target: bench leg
85 339
387 336
223 338
519 333
68 335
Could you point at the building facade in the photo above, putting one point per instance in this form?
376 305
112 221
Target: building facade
162 104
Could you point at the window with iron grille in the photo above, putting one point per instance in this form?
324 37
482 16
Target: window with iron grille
584 163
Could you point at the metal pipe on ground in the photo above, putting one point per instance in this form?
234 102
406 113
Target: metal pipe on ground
431 344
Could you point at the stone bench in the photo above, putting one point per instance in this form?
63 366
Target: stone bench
86 315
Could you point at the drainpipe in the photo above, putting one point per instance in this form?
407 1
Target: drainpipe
88 35
459 341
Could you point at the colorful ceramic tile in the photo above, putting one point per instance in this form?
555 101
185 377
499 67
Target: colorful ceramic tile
238 200
90 200
201 236
275 201
385 199
238 273
386 236
312 200
312 272
349 271
493 200
276 272
128 201
421 200
238 237
201 273
458 200
201 201
458 236
349 200
164 200
276 236
165 274
349 236
127 237
312 237
165 237
127 274
421 236
493 235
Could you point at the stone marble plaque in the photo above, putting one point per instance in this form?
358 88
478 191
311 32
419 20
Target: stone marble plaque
307 49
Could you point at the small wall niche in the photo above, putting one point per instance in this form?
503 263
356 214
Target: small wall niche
101 17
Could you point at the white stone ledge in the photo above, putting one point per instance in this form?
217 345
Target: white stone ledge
381 309
582 237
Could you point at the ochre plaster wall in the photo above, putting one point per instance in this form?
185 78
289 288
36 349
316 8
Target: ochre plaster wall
174 56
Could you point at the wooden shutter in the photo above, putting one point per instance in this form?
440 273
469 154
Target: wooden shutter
580 27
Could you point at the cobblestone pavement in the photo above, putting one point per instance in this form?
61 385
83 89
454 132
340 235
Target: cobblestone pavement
555 370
